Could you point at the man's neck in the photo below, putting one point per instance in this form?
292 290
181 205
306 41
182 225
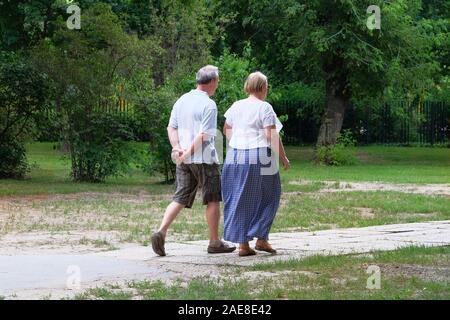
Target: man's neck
202 88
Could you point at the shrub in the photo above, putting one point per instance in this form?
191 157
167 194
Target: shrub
22 94
99 147
13 162
154 110
339 154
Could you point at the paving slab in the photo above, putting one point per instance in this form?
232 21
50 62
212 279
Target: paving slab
32 274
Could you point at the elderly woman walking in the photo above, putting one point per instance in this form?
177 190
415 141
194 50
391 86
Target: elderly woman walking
250 179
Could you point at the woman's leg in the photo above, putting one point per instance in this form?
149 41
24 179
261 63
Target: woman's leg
270 200
240 200
245 250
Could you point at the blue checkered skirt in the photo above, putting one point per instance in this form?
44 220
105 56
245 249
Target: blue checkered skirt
251 191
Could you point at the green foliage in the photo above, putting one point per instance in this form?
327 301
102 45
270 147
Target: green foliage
153 108
298 91
340 154
335 155
153 48
87 68
346 138
328 42
98 147
22 96
181 30
233 70
13 162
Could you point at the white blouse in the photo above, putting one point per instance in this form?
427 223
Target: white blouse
248 118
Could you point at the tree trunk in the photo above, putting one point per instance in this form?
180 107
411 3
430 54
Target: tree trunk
337 103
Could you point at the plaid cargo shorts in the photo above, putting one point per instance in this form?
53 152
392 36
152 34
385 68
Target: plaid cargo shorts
191 177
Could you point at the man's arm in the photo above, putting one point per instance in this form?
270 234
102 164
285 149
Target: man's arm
196 145
173 138
207 130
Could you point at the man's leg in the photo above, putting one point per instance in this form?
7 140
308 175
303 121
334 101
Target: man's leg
212 195
171 213
213 218
158 238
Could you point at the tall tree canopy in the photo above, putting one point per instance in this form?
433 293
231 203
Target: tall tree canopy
329 41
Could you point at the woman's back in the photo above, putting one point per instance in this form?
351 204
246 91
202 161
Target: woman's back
248 118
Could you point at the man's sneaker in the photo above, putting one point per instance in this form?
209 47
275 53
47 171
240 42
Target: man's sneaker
223 248
158 243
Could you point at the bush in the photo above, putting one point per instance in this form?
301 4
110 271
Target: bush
13 162
339 154
154 113
99 147
22 94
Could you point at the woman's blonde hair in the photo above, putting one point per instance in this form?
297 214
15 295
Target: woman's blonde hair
255 83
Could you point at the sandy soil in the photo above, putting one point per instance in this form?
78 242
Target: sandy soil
342 186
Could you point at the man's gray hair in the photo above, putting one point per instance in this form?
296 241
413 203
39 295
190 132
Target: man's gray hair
206 74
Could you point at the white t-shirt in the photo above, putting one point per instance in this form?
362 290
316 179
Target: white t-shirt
248 118
192 114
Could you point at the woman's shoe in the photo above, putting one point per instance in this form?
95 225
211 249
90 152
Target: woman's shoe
263 245
245 250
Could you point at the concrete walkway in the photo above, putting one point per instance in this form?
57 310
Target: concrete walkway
38 275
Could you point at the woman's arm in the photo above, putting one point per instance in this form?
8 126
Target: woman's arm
276 145
227 131
283 157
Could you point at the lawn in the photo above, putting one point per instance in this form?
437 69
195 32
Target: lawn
50 174
132 206
376 163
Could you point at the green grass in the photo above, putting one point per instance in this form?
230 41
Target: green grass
133 205
51 175
357 209
104 294
408 273
376 163
423 256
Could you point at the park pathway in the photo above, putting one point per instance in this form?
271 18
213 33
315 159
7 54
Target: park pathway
33 276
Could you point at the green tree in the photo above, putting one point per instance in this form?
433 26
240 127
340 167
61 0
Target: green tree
24 23
87 67
329 41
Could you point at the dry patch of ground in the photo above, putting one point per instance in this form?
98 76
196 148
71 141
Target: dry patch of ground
342 186
424 272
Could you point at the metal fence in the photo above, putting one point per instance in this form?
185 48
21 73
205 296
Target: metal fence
394 123
117 106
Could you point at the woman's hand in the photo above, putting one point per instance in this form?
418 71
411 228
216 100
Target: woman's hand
286 163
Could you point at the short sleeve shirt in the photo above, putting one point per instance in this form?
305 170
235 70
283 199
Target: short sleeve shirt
248 118
192 114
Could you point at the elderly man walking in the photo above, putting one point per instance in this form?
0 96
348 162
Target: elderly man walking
192 128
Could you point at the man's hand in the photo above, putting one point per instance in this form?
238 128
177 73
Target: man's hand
177 155
183 155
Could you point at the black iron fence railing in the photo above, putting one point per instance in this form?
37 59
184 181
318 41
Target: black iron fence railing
393 123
